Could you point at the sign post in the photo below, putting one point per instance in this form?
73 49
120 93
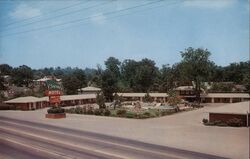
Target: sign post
53 92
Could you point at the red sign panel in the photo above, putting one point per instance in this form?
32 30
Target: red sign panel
54 99
52 92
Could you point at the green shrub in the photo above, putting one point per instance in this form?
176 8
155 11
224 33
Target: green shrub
210 124
157 113
130 115
78 110
235 122
70 110
217 122
142 116
90 112
147 114
55 110
205 121
107 112
98 112
121 112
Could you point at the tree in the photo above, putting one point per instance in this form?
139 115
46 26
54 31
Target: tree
100 100
128 73
22 76
5 69
196 67
71 84
145 75
109 84
117 100
147 98
80 75
2 86
173 99
113 65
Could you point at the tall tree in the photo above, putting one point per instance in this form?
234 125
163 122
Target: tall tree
71 84
113 65
22 76
109 84
80 75
196 67
146 73
5 69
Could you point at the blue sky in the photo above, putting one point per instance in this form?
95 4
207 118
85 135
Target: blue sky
158 30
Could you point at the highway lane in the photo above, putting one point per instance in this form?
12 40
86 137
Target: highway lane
46 141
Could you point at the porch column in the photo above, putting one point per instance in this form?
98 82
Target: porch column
212 100
231 100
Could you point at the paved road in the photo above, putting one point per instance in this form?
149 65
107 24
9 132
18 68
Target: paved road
29 140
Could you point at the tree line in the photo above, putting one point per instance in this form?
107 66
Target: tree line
137 76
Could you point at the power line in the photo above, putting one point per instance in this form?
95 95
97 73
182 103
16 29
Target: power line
122 15
53 11
83 19
61 15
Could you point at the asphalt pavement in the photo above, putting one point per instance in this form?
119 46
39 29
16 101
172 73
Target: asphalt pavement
28 140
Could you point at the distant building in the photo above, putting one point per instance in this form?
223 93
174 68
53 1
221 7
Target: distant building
89 90
42 81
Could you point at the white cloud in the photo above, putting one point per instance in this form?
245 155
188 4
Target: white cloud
209 4
24 11
98 18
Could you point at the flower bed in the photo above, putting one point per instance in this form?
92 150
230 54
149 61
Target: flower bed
56 113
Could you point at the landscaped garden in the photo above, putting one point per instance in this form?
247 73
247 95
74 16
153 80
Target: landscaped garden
125 112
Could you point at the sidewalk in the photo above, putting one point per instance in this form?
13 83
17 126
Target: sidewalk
182 130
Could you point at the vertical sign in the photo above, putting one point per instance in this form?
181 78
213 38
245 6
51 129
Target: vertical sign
53 91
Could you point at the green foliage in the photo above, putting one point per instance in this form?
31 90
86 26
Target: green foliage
222 87
130 115
5 69
71 84
98 112
235 122
205 121
109 84
196 67
117 100
100 100
22 76
173 99
148 98
107 112
55 110
121 112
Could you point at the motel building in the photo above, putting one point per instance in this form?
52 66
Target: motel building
89 90
28 103
187 93
32 103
